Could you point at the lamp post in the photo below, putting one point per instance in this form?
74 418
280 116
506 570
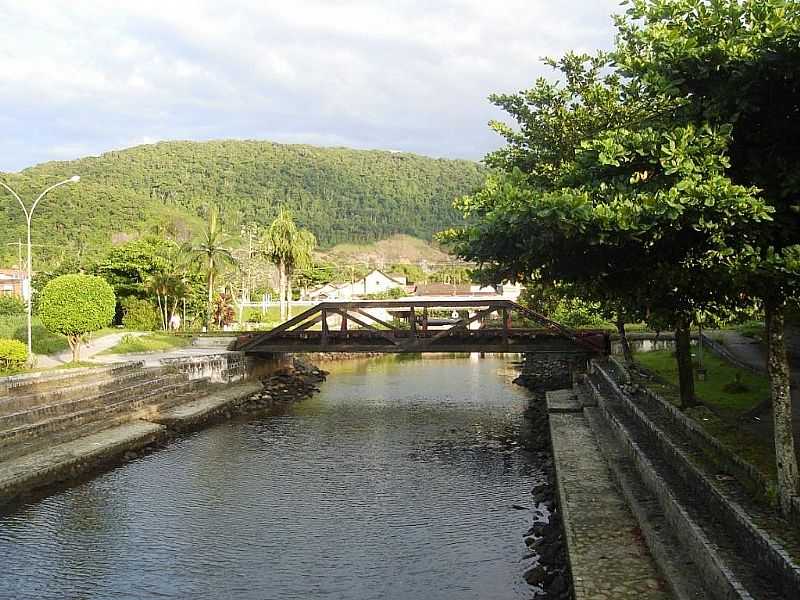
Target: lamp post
27 291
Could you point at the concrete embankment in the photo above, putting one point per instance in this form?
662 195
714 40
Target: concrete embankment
57 427
650 502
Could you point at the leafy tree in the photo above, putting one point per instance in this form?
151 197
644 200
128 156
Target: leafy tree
600 189
734 64
129 267
301 259
454 275
74 305
412 273
212 252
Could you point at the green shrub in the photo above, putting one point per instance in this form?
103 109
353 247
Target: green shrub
74 305
253 315
139 314
11 306
13 355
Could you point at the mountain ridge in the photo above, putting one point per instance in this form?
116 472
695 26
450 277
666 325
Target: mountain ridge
343 195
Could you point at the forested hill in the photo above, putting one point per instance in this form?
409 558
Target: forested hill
342 195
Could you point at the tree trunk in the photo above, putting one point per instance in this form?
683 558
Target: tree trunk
779 384
210 299
161 312
623 340
75 345
282 289
175 308
683 354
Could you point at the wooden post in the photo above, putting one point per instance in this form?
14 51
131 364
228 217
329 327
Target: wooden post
324 327
344 320
425 318
412 320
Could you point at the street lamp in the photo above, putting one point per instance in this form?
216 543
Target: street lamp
27 291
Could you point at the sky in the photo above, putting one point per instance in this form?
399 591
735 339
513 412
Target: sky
83 77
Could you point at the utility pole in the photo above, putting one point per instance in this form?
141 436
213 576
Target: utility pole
27 289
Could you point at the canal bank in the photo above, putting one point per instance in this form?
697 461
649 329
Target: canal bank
401 478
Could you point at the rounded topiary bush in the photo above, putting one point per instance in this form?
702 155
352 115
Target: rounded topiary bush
74 305
13 355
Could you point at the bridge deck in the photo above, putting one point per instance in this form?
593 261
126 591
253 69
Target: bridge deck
363 328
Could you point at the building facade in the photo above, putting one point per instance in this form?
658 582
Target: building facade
11 282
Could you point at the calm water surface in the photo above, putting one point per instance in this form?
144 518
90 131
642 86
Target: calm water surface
396 481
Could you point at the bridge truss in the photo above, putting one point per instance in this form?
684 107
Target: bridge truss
483 325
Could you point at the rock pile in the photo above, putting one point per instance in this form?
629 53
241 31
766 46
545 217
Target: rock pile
290 384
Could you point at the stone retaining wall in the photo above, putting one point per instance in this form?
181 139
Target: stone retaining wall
765 551
13 382
727 460
227 367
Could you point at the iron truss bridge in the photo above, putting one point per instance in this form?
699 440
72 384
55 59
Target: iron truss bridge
430 325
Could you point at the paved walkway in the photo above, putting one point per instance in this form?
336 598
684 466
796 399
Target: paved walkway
89 350
608 557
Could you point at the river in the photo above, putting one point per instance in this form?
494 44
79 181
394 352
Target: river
396 481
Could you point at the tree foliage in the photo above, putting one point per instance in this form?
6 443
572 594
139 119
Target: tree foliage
290 249
139 314
74 305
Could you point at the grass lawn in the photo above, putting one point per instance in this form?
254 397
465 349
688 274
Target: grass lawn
150 342
719 374
44 342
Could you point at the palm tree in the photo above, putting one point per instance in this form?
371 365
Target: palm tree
212 252
300 259
288 248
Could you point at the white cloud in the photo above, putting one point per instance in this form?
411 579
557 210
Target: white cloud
406 74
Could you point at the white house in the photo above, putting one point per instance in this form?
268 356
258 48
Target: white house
375 282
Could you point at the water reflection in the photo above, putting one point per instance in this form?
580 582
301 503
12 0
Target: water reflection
397 481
